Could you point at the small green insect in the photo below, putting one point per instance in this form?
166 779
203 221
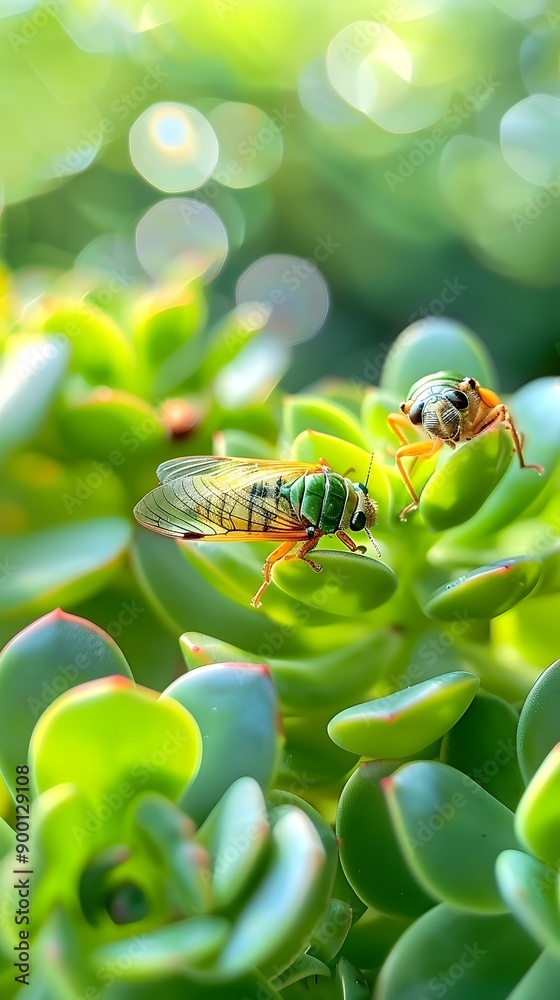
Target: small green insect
449 409
241 499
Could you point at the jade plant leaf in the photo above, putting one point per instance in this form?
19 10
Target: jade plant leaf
371 938
50 656
236 833
349 584
530 890
540 980
100 350
30 375
539 721
63 564
236 572
537 820
111 426
431 345
482 745
440 816
235 707
330 934
282 912
369 851
467 955
463 480
486 592
402 723
185 946
155 743
303 413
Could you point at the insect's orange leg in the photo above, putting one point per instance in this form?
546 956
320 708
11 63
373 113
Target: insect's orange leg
348 542
280 553
396 422
501 415
417 449
284 551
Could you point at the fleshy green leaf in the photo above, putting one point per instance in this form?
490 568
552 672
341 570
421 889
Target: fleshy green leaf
464 479
371 938
100 351
486 592
541 980
537 821
153 744
30 375
349 584
369 851
63 564
403 722
464 954
539 722
277 921
113 427
185 946
329 935
482 745
530 890
441 816
431 345
51 656
236 833
235 707
303 413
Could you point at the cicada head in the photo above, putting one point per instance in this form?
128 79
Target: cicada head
440 403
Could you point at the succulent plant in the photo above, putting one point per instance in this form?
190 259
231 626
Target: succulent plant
399 683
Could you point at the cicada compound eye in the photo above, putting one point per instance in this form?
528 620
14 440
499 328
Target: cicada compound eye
457 398
358 521
415 412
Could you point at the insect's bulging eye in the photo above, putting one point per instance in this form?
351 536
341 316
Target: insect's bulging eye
358 521
415 412
458 398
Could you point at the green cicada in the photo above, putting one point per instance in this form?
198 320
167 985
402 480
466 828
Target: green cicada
449 408
214 499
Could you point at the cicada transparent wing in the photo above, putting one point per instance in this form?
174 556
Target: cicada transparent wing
224 499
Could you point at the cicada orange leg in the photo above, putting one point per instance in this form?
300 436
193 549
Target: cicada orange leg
284 552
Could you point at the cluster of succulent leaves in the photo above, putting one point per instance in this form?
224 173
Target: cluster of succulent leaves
376 809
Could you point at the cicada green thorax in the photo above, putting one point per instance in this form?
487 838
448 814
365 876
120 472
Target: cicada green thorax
439 405
330 503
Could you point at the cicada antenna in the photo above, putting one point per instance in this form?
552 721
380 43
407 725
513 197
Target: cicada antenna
368 471
373 542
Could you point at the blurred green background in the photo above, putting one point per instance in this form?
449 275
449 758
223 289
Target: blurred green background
409 148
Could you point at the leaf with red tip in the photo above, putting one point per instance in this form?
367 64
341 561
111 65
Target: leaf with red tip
54 654
113 739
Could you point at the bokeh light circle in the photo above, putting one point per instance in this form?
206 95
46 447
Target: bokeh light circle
530 138
250 143
173 146
181 237
289 292
370 40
